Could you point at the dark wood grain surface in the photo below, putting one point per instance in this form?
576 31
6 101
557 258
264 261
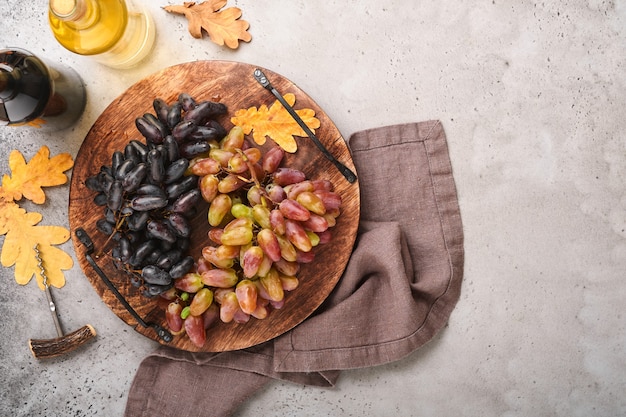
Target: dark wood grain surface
231 83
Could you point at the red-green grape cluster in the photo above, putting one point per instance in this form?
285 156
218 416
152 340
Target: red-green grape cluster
265 222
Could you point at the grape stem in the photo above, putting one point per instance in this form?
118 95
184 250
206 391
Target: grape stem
250 168
118 226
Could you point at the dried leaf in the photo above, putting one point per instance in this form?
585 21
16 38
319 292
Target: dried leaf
21 229
37 123
276 123
222 25
22 234
27 179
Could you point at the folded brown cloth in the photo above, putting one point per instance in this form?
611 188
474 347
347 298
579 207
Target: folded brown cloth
398 290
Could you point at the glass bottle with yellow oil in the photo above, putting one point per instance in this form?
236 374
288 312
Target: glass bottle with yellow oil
117 33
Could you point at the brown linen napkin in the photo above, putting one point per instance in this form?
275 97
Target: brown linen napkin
398 290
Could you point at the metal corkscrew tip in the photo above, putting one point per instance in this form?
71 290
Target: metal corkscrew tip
51 305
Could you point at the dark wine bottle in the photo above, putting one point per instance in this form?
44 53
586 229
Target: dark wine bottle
33 93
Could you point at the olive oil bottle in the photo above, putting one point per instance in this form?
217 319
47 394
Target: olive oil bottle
115 32
38 94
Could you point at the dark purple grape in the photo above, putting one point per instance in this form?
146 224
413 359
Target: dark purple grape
148 130
150 189
175 171
183 129
142 250
205 133
105 227
159 230
169 258
194 148
175 190
125 248
152 290
152 257
116 255
171 146
204 110
156 165
133 179
109 215
126 210
107 170
154 275
165 245
178 223
124 168
161 109
114 200
142 149
186 101
147 202
186 202
130 152
106 180
93 183
100 199
116 160
164 157
152 119
174 115
182 267
138 220
221 131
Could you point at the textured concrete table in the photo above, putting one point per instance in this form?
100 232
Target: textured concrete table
532 97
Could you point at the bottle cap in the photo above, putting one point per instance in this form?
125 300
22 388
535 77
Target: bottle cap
63 8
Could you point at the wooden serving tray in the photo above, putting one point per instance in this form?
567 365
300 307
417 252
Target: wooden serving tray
233 84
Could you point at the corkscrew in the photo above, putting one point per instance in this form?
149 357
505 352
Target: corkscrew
47 348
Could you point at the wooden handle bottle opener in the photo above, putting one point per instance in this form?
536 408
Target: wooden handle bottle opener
64 343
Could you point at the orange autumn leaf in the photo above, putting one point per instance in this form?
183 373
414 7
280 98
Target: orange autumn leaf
22 234
276 123
35 123
21 228
224 26
27 180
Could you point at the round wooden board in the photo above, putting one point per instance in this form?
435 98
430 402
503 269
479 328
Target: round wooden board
233 84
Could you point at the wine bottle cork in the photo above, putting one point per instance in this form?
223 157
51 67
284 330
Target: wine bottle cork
67 9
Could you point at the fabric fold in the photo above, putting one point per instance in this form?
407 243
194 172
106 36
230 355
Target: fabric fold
397 291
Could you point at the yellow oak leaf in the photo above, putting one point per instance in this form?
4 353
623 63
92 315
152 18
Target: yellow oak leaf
224 26
22 234
276 123
21 229
27 180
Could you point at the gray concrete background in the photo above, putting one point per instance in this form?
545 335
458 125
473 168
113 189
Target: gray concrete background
532 97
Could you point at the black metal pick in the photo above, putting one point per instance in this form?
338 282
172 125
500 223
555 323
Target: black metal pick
345 171
84 238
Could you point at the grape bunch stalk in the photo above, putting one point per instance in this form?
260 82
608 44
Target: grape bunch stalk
147 195
265 221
